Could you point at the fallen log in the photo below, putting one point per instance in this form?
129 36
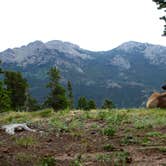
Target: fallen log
11 128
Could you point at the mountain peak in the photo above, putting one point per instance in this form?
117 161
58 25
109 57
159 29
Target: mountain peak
130 44
36 44
58 44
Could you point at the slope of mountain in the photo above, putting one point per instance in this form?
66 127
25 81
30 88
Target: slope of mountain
126 74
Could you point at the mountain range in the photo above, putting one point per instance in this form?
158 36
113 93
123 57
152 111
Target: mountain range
127 74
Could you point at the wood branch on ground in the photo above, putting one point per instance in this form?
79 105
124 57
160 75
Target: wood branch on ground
11 128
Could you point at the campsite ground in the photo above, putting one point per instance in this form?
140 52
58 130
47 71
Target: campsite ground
76 138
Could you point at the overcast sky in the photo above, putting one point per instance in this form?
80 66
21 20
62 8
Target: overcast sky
92 24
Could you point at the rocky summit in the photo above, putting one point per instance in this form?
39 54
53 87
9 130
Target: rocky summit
126 74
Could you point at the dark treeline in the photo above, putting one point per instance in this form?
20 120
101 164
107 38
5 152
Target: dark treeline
14 94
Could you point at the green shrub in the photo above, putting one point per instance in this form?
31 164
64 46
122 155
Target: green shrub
163 149
154 134
59 125
121 158
47 161
45 113
109 131
129 139
24 157
25 141
104 158
108 147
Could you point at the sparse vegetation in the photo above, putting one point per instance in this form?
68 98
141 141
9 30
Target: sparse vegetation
108 147
96 137
25 141
47 161
129 139
108 131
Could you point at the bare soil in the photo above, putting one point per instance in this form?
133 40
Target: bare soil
84 147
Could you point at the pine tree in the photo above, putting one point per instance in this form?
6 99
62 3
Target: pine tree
82 103
70 95
91 104
162 5
1 71
17 86
32 104
57 97
108 104
5 102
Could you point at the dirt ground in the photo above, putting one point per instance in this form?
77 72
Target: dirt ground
87 147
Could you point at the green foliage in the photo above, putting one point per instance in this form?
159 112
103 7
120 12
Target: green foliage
45 113
116 158
91 104
25 141
104 158
17 86
129 139
1 68
143 123
109 131
108 147
59 125
121 158
57 97
76 124
163 150
82 103
70 95
5 102
24 157
154 134
145 141
47 161
77 161
108 104
32 104
162 5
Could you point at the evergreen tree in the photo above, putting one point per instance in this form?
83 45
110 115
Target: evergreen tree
162 5
91 104
17 86
108 104
82 103
70 95
57 97
32 104
5 102
1 71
